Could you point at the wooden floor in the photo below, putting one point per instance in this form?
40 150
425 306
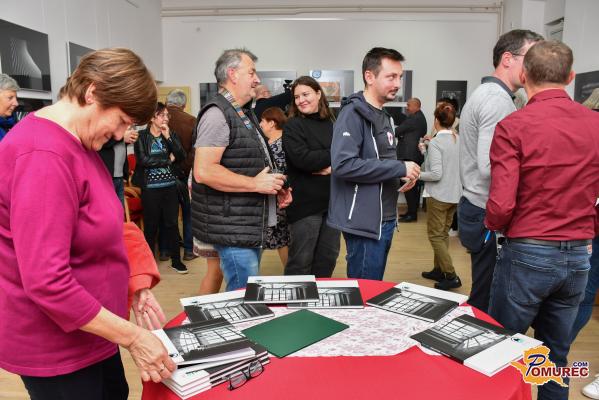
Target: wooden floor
410 254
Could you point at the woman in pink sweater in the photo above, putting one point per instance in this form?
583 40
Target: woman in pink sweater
63 266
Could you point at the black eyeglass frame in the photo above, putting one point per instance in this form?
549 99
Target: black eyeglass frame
246 373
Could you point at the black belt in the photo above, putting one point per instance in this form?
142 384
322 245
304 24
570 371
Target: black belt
553 243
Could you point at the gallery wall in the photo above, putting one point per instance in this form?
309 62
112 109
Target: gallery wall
437 46
135 24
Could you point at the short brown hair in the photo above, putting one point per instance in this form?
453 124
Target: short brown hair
122 80
323 104
276 115
373 59
548 62
512 42
445 114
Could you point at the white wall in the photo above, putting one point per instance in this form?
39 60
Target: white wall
581 32
436 46
91 23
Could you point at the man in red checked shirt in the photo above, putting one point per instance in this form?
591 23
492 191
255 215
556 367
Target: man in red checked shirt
544 185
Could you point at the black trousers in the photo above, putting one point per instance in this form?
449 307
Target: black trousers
313 248
161 208
413 199
104 380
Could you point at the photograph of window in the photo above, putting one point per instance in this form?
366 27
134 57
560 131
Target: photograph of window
232 310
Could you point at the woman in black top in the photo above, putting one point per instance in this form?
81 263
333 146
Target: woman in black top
307 137
156 150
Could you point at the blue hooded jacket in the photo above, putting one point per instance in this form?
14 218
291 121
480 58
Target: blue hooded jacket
355 205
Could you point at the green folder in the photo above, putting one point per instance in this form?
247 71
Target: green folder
292 332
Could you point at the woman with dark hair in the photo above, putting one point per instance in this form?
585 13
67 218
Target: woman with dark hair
441 174
64 270
307 137
272 122
156 150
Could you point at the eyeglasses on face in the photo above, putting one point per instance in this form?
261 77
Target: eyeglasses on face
239 378
163 115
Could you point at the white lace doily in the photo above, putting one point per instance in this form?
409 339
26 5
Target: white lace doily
371 332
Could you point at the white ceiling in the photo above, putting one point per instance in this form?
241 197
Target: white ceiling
261 7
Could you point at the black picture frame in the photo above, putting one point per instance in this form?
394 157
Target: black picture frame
75 54
584 84
457 90
25 56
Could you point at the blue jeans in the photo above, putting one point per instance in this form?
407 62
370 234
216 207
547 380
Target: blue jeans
367 258
237 263
540 286
119 188
585 309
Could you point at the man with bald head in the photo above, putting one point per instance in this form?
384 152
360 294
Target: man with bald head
8 103
408 135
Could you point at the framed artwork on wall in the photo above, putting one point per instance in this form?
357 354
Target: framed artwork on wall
24 55
584 85
453 90
275 80
163 91
75 53
336 84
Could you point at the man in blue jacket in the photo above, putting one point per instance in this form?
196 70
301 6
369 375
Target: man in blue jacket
366 173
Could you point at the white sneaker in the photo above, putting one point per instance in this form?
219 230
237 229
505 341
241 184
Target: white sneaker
592 389
452 233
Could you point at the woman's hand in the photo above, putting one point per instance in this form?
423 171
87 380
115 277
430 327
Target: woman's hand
284 197
147 311
165 130
324 171
151 357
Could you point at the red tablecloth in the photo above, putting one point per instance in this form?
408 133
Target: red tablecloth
409 375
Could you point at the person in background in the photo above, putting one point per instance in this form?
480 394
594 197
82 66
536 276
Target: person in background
234 194
408 135
442 181
184 124
365 170
543 265
585 309
490 102
272 123
8 103
265 99
307 136
156 150
63 266
114 156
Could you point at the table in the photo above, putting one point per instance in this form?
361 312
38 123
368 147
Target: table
408 375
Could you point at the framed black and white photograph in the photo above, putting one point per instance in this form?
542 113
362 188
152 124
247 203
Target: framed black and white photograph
453 90
75 53
208 90
24 55
584 85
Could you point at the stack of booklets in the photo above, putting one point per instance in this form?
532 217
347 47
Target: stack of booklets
214 341
207 353
418 301
281 289
227 305
477 344
191 380
335 294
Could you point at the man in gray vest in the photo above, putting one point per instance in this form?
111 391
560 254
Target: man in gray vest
234 195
